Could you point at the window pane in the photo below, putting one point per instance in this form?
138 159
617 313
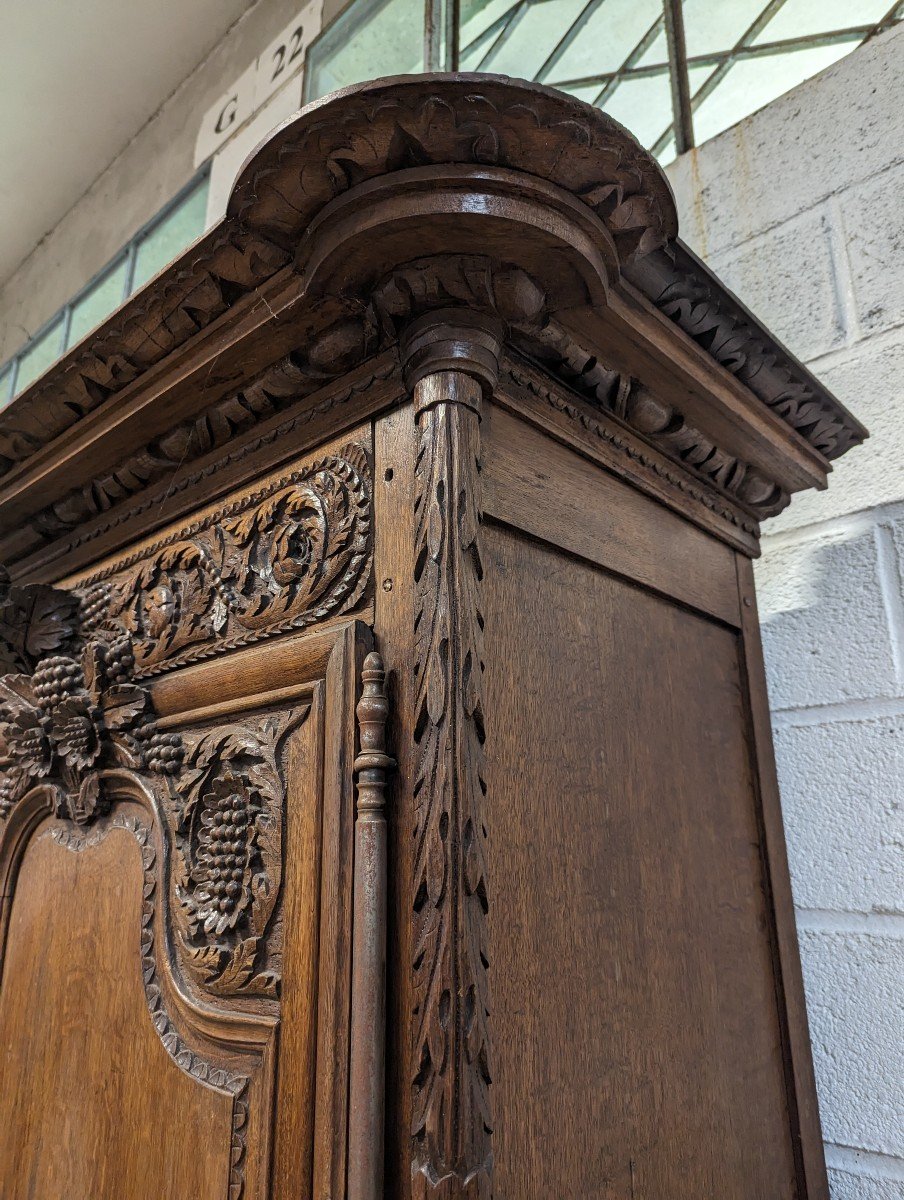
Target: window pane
40 355
657 52
164 242
371 38
712 25
6 383
797 18
643 105
97 303
668 154
481 21
754 82
530 37
613 29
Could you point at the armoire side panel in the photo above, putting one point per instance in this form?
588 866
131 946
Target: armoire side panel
636 1041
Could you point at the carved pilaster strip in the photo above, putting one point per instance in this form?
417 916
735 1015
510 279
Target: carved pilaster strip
451 1109
368 1021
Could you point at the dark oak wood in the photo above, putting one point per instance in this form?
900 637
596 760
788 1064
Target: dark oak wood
387 800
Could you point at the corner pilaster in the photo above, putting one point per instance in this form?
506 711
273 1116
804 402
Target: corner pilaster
451 361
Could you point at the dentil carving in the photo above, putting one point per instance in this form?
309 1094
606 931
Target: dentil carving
227 818
277 560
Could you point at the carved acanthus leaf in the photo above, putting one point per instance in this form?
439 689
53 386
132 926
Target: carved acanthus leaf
481 121
226 266
679 288
660 423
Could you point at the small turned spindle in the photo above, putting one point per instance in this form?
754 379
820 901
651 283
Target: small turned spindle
368 1018
372 763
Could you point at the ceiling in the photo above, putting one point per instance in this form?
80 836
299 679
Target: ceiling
77 82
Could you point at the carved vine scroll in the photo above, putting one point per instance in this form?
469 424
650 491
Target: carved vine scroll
278 560
451 1113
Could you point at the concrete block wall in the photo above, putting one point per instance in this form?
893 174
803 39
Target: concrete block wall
801 209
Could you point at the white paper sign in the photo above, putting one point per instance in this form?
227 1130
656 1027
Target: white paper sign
224 117
281 61
285 54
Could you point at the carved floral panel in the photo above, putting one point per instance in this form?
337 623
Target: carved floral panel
280 559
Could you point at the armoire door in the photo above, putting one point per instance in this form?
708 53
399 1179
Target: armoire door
176 856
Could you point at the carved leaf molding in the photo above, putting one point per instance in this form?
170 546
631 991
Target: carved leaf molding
484 122
661 424
278 560
451 1110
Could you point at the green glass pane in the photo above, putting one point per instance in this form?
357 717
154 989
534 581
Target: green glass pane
587 92
713 25
481 23
668 153
40 355
97 303
613 29
656 53
530 37
169 237
371 38
755 82
6 383
798 18
643 105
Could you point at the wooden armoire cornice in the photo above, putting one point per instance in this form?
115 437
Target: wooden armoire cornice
387 793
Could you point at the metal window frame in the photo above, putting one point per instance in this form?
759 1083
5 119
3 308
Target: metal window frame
678 62
9 370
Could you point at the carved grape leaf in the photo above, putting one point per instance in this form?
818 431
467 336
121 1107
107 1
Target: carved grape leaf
121 704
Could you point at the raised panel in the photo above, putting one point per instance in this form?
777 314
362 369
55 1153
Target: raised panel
91 1104
636 1044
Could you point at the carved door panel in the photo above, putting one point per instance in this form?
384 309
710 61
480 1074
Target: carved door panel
177 746
174 998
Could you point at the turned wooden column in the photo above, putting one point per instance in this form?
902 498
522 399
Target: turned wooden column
451 360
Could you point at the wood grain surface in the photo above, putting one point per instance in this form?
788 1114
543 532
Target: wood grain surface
91 1105
635 1022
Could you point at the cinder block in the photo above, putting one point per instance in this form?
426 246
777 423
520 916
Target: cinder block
787 278
856 1009
870 380
842 789
844 125
873 218
825 631
845 1185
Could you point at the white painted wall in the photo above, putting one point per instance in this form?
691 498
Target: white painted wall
156 163
800 209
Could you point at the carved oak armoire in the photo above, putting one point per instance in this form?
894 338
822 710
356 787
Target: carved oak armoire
388 802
